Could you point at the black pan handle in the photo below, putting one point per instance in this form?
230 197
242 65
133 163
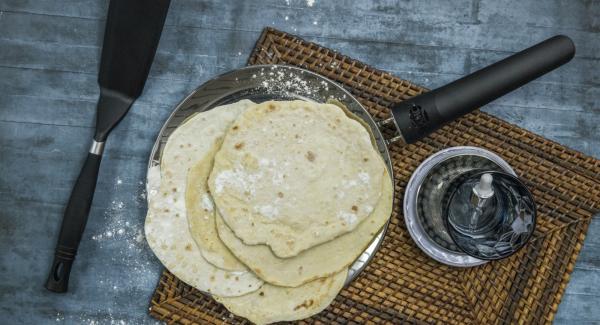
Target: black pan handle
73 224
423 114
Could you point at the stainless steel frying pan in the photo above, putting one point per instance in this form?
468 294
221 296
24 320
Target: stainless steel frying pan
413 118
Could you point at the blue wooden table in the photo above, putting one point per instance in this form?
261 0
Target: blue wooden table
49 55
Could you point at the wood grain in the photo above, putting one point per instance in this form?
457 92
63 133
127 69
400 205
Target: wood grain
49 54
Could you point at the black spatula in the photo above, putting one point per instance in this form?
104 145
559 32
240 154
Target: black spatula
133 28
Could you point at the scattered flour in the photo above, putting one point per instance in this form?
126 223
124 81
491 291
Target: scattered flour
237 178
349 218
276 80
310 3
268 211
350 183
207 203
244 181
364 177
121 235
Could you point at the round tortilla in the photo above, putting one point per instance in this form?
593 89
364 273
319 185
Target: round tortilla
201 216
272 304
295 174
319 261
166 224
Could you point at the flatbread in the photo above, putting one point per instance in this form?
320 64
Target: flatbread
166 224
319 261
295 174
272 304
201 216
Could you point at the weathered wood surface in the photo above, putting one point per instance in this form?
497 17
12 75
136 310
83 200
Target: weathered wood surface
49 54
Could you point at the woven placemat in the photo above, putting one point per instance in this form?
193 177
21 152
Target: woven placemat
401 284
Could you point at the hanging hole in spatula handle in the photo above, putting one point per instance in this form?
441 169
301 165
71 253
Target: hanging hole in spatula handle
58 279
423 114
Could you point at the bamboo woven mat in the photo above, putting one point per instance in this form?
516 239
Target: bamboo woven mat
401 284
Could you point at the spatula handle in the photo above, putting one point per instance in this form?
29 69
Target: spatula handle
73 224
423 114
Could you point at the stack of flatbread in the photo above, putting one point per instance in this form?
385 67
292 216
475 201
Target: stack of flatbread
265 206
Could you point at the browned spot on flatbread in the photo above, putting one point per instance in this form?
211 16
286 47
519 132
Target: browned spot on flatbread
310 156
280 194
227 276
306 304
235 127
174 189
239 146
188 247
365 159
261 294
354 208
237 278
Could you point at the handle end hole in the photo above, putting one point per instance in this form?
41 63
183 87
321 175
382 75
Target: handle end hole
58 271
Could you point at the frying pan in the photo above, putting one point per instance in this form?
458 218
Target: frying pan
413 118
